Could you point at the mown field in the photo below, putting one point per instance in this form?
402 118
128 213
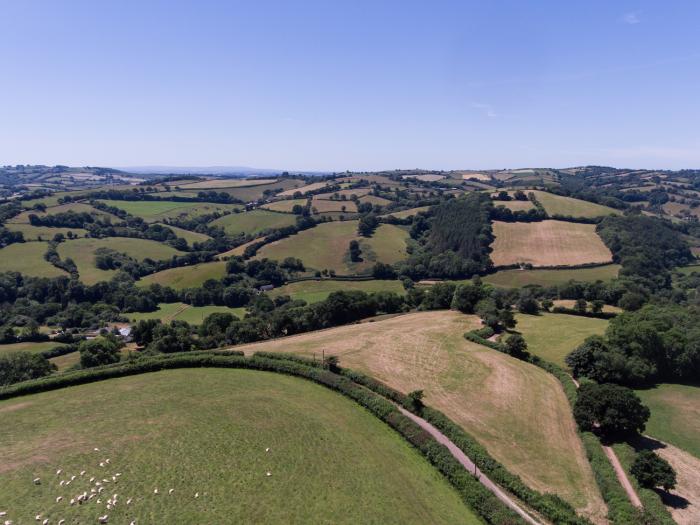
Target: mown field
184 312
28 258
225 183
82 251
284 206
207 432
34 348
253 222
186 276
155 211
553 336
547 243
559 205
325 206
326 246
544 277
516 410
303 189
315 291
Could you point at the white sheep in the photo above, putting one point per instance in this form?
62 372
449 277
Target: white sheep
61 483
107 461
8 522
267 449
92 479
82 472
37 517
72 478
45 522
61 522
155 491
171 491
58 472
196 495
72 501
37 481
102 463
96 449
269 473
128 502
59 498
103 519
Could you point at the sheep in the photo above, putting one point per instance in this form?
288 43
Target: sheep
72 478
37 517
61 483
102 463
61 522
196 495
8 522
59 498
133 523
269 473
82 472
45 522
155 491
171 491
103 519
37 481
118 474
107 461
72 501
128 502
58 472
92 479
267 449
67 483
96 449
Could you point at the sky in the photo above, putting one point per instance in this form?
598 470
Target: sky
350 85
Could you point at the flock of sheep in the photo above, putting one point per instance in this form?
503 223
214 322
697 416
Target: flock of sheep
98 486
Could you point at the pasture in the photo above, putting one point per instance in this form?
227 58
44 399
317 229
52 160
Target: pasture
77 207
375 201
184 312
212 184
156 211
284 206
544 277
253 222
190 236
560 205
82 251
303 189
186 276
33 348
515 205
347 193
28 259
325 206
212 436
326 247
553 336
516 410
42 233
239 250
315 291
407 213
547 243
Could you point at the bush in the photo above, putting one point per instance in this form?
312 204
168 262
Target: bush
652 471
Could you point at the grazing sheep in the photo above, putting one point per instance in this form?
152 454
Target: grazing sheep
102 463
155 491
103 519
62 482
267 449
8 522
92 479
196 495
45 522
61 522
128 502
171 491
58 472
269 473
96 449
37 481
107 461
59 499
82 472
72 478
37 517
67 482
72 501
118 474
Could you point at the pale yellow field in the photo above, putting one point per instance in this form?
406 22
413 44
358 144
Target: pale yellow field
324 205
303 189
516 410
547 243
225 183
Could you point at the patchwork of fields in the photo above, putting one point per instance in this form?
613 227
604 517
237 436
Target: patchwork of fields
207 434
156 211
547 243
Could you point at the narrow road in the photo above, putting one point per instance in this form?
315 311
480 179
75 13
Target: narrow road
619 470
470 466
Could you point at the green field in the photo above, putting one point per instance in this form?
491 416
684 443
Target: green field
34 348
77 207
190 237
687 270
553 336
43 233
186 276
520 278
326 246
184 312
407 213
28 259
253 222
206 432
675 415
284 206
315 291
559 205
82 251
155 211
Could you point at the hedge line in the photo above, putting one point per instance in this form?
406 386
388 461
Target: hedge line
473 493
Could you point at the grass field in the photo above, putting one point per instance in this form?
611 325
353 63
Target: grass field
34 348
375 201
315 291
184 312
559 205
519 278
303 189
326 246
225 183
675 415
44 233
77 207
547 243
190 237
82 251
407 213
239 250
687 270
253 222
553 336
155 211
515 205
284 206
359 192
186 276
324 206
516 410
206 431
28 259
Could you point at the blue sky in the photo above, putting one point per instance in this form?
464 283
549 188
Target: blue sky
336 85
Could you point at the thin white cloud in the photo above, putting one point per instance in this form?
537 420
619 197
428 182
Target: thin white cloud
486 109
630 18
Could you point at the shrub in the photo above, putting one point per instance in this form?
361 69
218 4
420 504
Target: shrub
652 471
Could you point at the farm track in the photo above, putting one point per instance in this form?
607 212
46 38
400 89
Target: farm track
469 466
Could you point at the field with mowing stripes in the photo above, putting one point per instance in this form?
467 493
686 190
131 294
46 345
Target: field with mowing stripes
205 432
516 410
547 243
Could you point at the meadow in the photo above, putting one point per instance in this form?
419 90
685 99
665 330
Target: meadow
407 213
544 277
156 211
186 276
516 410
553 336
303 189
28 258
212 436
190 236
547 243
515 205
326 247
77 207
253 222
225 183
42 233
325 206
560 205
184 312
284 206
82 251
315 291
33 348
